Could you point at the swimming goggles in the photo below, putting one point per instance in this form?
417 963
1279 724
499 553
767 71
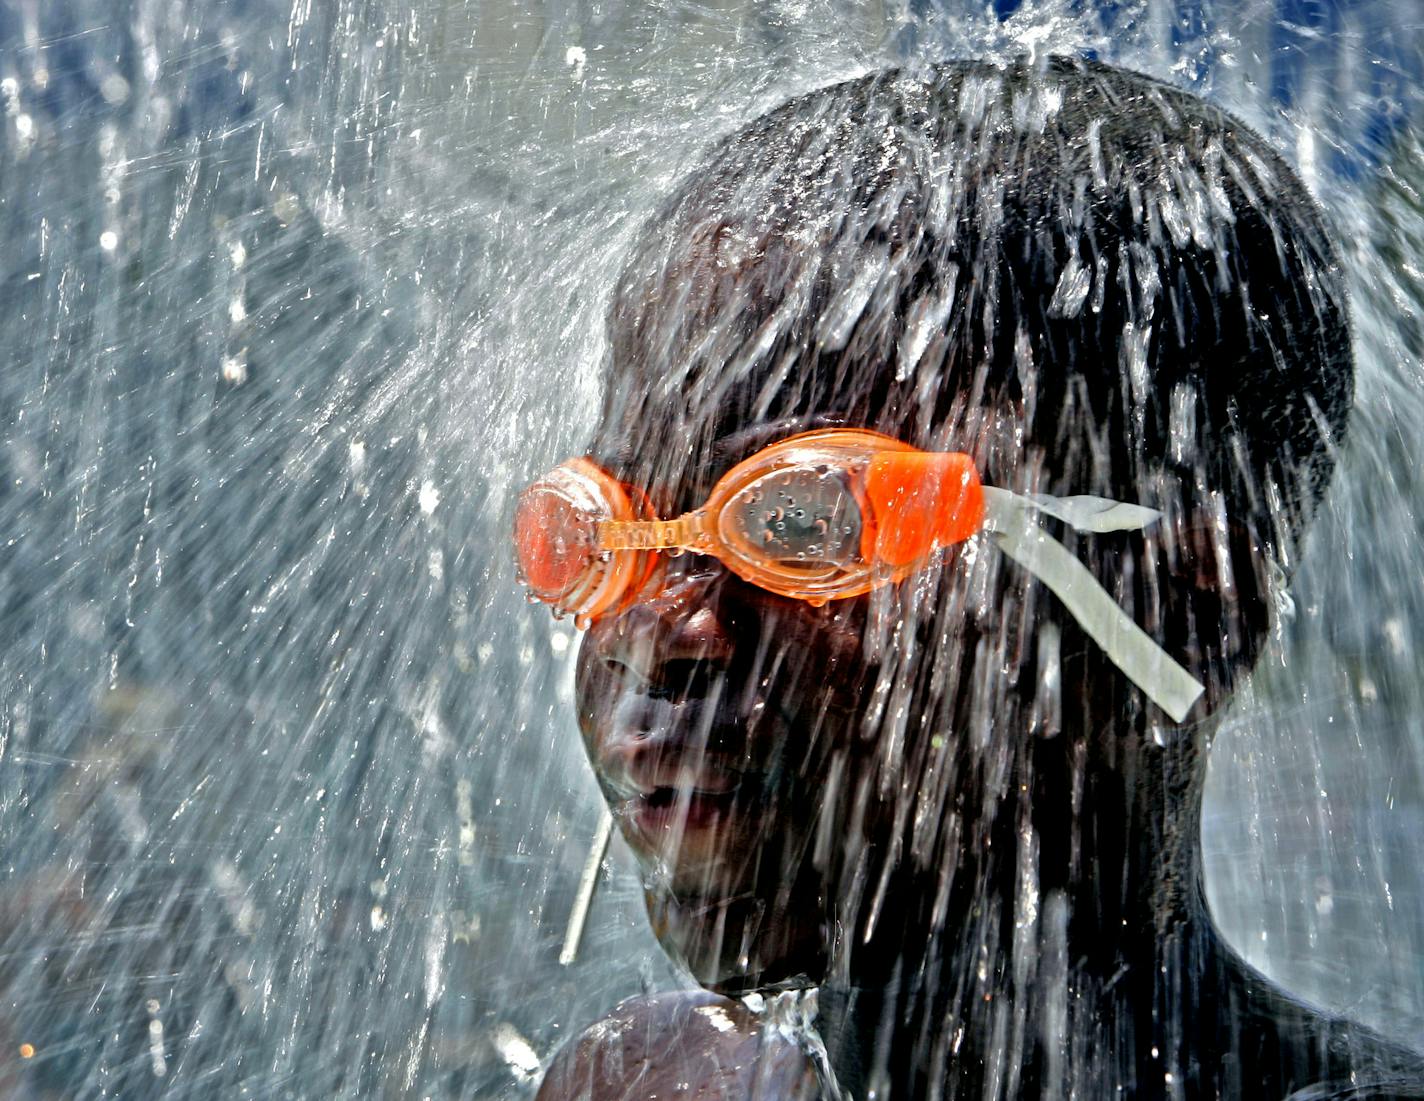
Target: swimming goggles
822 516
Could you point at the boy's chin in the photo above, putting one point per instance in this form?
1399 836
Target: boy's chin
737 946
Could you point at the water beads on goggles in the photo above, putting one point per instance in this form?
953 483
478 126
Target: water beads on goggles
823 516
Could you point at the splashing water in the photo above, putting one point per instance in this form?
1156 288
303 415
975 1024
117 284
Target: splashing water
298 295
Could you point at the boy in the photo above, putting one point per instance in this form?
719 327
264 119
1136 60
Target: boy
958 804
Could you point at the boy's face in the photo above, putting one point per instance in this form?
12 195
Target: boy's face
705 705
715 713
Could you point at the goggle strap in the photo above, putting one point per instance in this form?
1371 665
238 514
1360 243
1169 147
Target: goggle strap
1131 649
684 533
1091 514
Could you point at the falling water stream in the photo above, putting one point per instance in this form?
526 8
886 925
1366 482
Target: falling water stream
296 295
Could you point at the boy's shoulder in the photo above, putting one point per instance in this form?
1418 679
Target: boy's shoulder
1340 1058
684 1043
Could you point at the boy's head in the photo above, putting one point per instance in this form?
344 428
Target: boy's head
1093 284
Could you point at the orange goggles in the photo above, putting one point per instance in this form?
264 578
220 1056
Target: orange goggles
819 516
822 516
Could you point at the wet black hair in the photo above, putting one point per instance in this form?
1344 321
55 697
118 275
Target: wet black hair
1134 271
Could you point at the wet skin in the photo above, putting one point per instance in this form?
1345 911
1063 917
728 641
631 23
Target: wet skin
667 1045
713 713
693 742
710 710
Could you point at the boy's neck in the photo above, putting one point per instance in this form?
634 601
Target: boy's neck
1015 1041
1075 910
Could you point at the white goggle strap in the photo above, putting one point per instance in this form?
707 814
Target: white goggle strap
1009 522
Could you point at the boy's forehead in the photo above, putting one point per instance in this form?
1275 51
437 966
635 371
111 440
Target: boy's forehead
680 434
672 447
654 413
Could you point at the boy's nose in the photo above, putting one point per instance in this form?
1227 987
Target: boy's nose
676 631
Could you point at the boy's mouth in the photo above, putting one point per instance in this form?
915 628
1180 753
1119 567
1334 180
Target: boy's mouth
668 809
684 777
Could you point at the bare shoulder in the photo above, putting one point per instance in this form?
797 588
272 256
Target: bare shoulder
685 1044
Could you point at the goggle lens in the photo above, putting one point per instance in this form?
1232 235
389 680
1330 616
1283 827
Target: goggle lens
801 517
556 542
